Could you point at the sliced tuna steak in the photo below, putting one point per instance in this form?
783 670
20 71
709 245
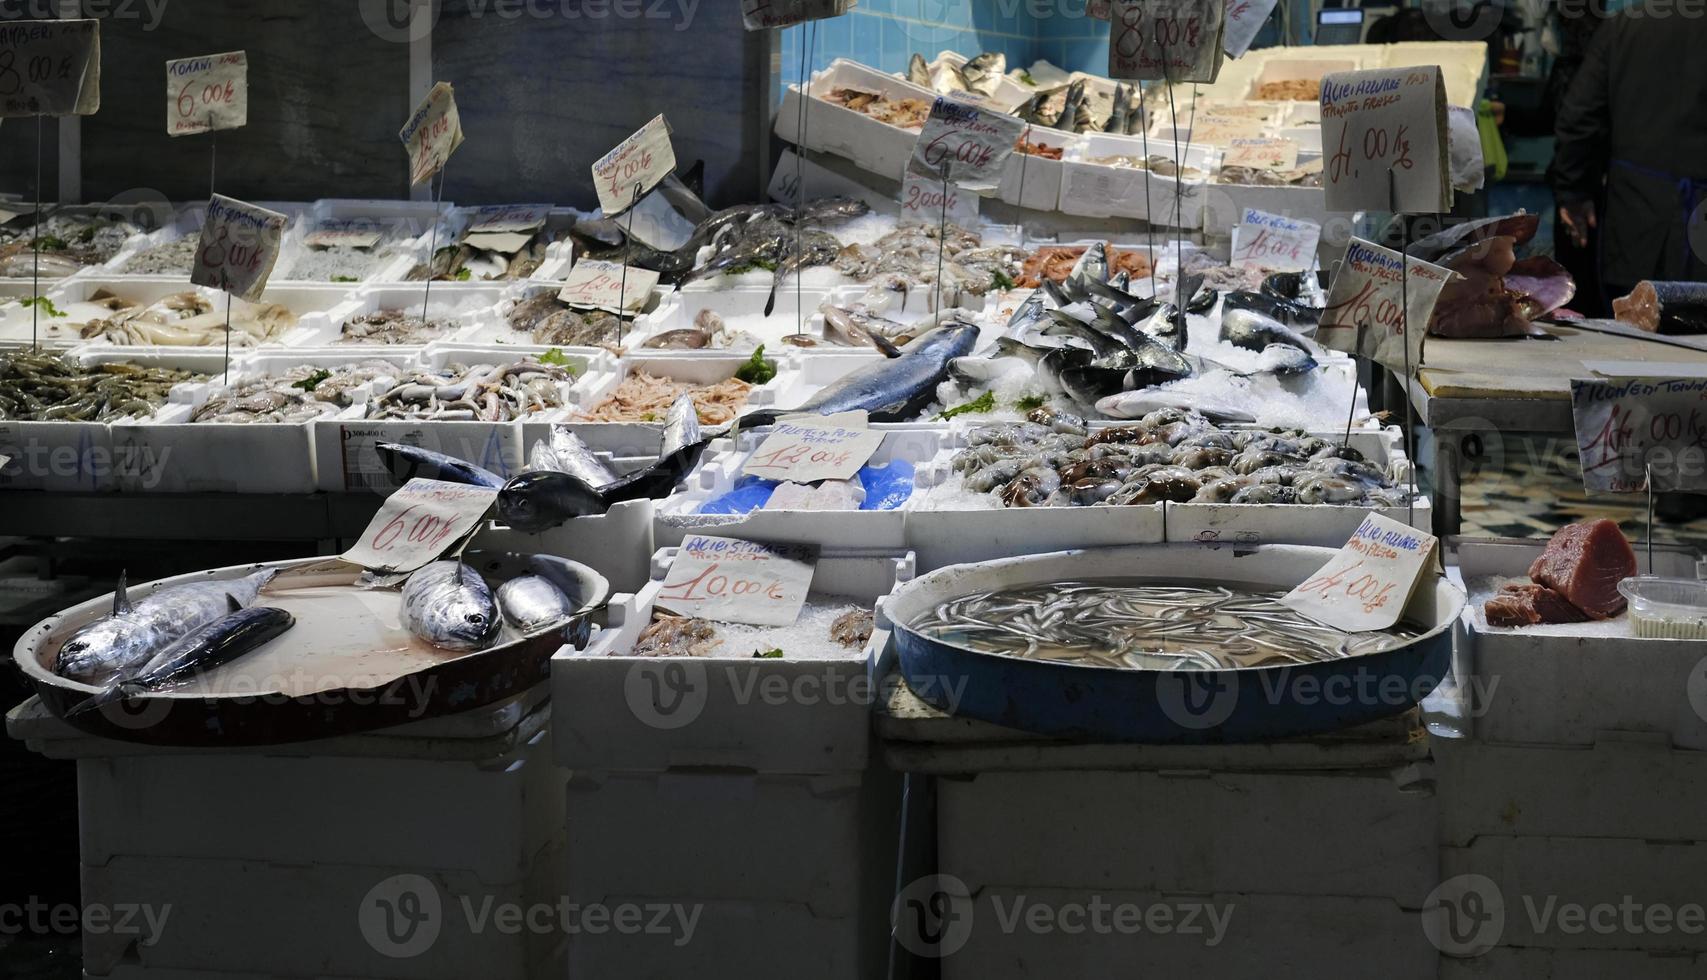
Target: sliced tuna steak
1530 605
1584 563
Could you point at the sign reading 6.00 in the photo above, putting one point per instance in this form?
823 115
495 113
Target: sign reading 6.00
50 67
207 93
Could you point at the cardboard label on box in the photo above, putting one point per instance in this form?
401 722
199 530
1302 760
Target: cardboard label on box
207 93
418 524
239 247
348 232
1166 40
1366 314
1244 19
733 581
1274 241
50 67
642 161
761 15
1628 428
596 285
1384 141
1368 584
1262 153
432 134
922 200
832 447
1218 129
973 142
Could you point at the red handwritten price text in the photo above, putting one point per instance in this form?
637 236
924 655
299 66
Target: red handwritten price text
1369 590
636 166
426 530
797 454
1378 145
1266 245
716 582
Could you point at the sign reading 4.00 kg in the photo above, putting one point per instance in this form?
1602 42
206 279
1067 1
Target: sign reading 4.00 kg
1384 143
207 93
50 68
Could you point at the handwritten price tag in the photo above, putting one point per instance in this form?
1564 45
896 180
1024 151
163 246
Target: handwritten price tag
1166 40
1220 130
1369 583
1629 426
1244 19
239 247
207 93
974 143
50 68
1274 241
760 15
1380 122
419 523
1262 153
643 159
733 581
1366 315
596 285
348 232
922 202
432 134
825 448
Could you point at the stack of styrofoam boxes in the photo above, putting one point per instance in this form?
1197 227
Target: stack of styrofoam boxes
398 854
1571 798
741 790
874 146
1296 858
1101 190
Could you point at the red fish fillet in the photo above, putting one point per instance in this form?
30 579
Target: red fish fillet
1584 563
1530 605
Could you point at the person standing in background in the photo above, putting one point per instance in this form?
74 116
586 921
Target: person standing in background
1631 153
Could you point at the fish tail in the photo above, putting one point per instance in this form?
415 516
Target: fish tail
111 695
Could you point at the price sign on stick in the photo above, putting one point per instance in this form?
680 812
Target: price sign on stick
1365 314
974 142
642 160
1370 582
1630 427
1273 241
1388 120
432 134
596 285
832 447
922 201
418 524
1244 19
1262 153
50 67
1166 40
759 15
735 581
239 246
207 93
348 232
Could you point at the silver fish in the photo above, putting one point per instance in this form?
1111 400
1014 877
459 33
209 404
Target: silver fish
1137 404
681 428
531 603
984 73
449 605
564 452
918 71
134 633
214 645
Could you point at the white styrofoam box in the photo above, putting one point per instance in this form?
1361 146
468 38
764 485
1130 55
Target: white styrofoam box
1463 64
1010 94
1308 136
398 221
170 454
1578 892
1031 181
788 715
617 544
875 146
1327 525
583 361
494 327
988 826
1102 190
1634 787
1503 962
309 303
679 516
1540 684
638 439
1308 69
467 303
1224 204
345 460
741 308
738 939
1174 935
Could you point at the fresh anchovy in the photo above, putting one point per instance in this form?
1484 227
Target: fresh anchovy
135 633
214 645
531 603
449 605
891 390
411 462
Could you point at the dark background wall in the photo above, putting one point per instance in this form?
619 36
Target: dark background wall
544 87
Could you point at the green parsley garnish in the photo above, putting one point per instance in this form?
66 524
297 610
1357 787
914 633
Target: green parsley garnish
313 381
983 403
757 370
555 356
345 279
1001 280
1031 403
768 655
463 275
1025 77
42 303
49 243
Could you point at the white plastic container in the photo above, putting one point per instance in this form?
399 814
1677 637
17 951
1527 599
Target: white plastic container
874 146
1666 608
639 439
741 308
1039 178
1100 190
468 304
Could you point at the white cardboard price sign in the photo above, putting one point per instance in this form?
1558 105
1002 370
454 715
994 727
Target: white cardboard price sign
1368 584
348 232
1275 241
974 142
1365 314
1218 128
1387 121
642 160
505 228
207 93
733 581
1262 153
239 247
922 201
50 67
418 524
1629 427
1244 19
432 133
760 15
1166 40
832 447
596 285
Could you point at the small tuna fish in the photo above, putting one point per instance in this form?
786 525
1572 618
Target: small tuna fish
214 645
449 605
134 633
531 603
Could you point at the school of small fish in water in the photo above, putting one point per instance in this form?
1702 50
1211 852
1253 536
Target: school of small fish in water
1145 626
